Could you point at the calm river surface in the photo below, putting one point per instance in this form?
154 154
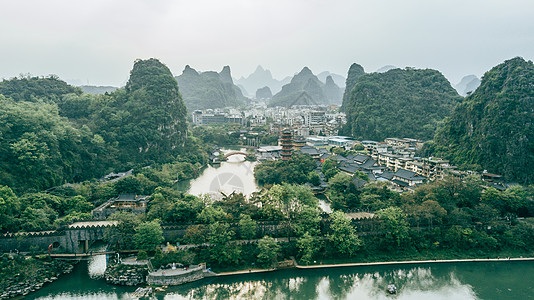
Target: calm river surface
481 280
236 174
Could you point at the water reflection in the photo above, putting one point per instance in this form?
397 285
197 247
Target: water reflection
96 265
415 283
488 280
234 175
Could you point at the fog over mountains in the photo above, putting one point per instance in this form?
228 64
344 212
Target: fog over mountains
468 84
260 79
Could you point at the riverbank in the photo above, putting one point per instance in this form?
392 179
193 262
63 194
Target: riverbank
380 263
405 262
23 276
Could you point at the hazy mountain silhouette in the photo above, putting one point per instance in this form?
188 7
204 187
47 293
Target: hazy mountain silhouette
338 79
306 89
264 93
97 90
386 68
468 84
259 79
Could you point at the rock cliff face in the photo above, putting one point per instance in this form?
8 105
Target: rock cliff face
398 103
493 128
202 90
304 89
355 71
332 92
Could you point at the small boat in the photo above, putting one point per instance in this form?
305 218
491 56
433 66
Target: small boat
392 289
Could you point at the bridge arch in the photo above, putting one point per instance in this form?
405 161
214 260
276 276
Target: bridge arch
234 153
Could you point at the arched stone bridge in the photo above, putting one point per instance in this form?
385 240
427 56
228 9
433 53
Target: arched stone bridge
234 153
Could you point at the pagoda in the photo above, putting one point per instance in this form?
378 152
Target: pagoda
286 141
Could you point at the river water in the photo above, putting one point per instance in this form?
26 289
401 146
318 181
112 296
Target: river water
234 175
480 280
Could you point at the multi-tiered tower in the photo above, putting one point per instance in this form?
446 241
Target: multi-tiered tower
286 141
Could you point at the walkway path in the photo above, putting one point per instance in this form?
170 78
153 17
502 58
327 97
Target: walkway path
413 262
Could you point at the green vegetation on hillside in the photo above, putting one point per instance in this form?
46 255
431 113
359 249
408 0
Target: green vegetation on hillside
493 129
355 71
62 135
399 103
40 149
28 88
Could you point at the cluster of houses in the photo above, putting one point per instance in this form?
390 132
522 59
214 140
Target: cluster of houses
394 160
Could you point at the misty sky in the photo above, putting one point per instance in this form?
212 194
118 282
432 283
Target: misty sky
97 41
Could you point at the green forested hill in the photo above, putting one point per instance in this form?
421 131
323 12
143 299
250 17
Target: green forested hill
33 88
60 137
202 90
493 128
399 103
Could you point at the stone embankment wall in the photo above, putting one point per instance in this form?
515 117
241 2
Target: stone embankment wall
129 275
64 240
190 276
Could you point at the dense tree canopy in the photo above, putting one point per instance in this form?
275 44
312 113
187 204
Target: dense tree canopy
28 88
40 149
399 103
493 129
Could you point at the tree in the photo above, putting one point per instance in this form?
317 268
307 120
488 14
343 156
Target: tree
195 234
308 221
343 235
121 236
393 223
308 247
268 251
432 211
314 178
148 235
222 251
211 215
247 227
9 207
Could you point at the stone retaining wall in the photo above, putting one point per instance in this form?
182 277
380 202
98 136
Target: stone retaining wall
190 276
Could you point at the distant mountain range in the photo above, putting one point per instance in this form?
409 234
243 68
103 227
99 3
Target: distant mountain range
468 84
306 89
263 78
97 90
203 90
260 79
386 68
338 79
